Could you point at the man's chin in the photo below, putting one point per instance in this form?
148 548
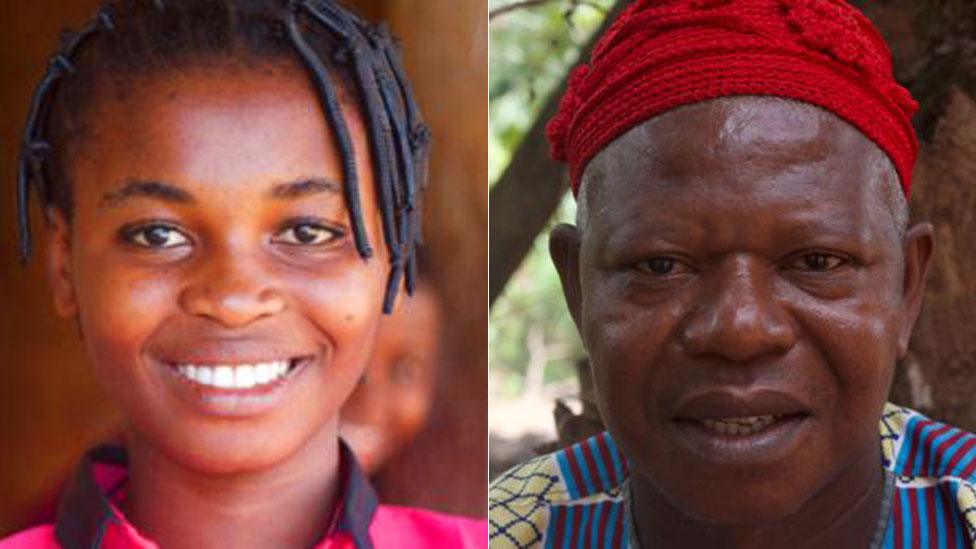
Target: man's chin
743 509
728 499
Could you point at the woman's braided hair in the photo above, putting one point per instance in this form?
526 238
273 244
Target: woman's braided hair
339 51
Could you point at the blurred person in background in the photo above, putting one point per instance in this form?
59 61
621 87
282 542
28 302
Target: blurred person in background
392 402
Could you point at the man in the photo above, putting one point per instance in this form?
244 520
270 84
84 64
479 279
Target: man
744 279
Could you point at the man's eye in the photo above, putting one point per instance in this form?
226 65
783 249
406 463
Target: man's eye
307 234
817 262
661 266
156 236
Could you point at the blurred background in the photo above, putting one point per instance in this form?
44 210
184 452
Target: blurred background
540 390
534 349
51 410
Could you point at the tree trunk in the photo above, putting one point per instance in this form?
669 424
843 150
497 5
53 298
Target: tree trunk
529 191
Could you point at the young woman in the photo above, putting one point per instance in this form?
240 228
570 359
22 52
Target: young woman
231 190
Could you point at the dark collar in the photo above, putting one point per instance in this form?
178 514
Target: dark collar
85 511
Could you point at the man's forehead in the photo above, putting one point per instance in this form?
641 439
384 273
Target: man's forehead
733 138
788 164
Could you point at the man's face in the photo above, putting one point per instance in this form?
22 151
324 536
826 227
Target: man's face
210 230
743 297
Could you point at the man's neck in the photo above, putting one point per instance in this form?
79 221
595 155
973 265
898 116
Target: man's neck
288 505
843 514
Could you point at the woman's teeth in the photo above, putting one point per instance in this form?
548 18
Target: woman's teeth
740 425
241 376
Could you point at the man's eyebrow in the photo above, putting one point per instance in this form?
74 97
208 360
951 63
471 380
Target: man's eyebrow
148 189
304 187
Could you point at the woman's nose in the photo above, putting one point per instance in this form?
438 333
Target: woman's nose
233 292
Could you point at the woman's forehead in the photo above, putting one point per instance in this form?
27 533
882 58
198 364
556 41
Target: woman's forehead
216 126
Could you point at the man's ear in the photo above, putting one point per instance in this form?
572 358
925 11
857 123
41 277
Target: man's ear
58 255
564 248
918 244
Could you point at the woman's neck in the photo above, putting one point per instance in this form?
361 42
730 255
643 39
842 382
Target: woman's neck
287 505
843 514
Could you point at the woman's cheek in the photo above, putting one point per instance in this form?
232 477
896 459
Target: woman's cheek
119 312
344 305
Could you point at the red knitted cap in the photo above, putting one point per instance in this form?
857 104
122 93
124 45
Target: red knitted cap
661 54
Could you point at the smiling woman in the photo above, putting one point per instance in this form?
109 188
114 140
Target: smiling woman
219 270
231 192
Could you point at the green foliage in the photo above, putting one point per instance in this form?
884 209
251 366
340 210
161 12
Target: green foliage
532 50
533 300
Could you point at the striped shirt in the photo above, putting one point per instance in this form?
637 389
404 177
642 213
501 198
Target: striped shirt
576 497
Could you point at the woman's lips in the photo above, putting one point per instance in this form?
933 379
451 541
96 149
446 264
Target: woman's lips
222 387
236 376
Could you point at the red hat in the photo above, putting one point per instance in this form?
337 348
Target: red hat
662 54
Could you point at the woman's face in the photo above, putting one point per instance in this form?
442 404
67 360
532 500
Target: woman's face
211 264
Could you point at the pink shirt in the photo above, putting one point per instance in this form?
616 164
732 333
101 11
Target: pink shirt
89 517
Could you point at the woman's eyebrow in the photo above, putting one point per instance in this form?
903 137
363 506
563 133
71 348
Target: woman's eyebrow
148 189
304 187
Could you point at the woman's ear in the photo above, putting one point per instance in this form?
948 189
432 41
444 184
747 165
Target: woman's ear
58 255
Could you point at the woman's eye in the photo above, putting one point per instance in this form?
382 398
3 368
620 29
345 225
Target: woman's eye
307 234
661 266
156 236
817 262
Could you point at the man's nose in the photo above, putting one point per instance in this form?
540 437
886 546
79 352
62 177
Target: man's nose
232 291
738 317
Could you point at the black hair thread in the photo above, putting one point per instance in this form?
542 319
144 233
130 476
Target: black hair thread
407 250
331 20
333 112
401 138
418 142
395 63
411 273
370 81
105 18
392 286
34 145
387 184
378 126
375 84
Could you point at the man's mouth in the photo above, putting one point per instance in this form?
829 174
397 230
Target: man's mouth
732 427
240 376
740 426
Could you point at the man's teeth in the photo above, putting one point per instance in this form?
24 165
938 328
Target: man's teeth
740 425
241 376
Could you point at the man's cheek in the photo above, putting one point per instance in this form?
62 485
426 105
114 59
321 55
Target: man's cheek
859 375
624 354
841 333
